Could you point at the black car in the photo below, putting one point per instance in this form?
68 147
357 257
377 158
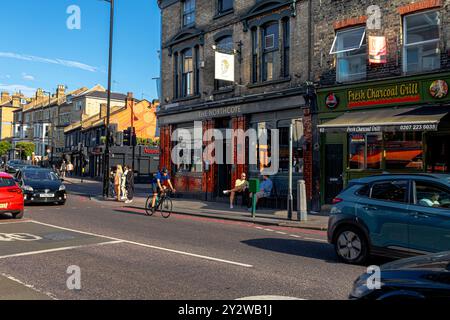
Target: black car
417 278
41 186
12 166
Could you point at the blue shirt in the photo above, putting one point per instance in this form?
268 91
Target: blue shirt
266 186
159 176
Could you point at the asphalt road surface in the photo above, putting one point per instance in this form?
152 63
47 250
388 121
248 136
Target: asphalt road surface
115 252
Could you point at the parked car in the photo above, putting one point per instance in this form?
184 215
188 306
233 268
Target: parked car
11 197
41 185
417 278
13 165
391 215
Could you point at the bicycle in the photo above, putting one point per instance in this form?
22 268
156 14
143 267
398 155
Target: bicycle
163 204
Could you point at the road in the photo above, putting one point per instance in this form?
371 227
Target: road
123 254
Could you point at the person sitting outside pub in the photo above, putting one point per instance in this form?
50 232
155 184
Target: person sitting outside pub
240 186
265 189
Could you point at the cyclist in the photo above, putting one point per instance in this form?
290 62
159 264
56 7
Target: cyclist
157 184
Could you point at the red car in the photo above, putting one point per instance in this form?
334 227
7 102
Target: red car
11 196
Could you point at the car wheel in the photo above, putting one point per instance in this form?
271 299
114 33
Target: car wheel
18 215
351 245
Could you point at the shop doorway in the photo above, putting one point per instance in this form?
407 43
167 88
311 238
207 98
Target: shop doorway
334 155
223 178
438 157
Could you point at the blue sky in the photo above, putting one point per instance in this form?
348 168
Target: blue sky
37 50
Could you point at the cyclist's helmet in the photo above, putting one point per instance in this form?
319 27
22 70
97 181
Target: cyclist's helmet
164 170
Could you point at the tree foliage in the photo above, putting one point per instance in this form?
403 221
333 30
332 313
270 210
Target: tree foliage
26 147
5 146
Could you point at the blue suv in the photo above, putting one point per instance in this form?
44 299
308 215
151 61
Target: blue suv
391 215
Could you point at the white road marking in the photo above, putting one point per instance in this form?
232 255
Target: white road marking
279 232
30 253
295 236
149 246
268 229
28 285
13 222
314 239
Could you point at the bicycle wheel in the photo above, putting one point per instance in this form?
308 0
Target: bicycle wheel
148 206
165 207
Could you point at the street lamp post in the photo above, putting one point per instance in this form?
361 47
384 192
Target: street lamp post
108 104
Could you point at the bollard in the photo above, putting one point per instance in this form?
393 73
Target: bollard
301 201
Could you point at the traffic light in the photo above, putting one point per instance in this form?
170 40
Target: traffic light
133 137
127 137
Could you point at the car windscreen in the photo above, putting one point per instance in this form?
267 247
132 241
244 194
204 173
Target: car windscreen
40 175
7 182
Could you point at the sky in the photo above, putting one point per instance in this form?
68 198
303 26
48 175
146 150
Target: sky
41 45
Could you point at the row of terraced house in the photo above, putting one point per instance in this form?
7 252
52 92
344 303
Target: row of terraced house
365 85
71 126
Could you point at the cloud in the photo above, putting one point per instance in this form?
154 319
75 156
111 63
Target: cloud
13 88
27 77
61 62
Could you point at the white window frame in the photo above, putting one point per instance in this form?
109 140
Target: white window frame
407 45
333 51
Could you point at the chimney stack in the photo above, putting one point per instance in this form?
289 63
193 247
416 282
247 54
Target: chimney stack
129 102
39 93
60 91
16 100
4 96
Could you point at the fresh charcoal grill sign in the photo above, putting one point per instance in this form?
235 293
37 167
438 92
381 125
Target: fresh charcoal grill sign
392 94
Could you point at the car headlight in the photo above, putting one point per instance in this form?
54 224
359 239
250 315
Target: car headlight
62 187
28 188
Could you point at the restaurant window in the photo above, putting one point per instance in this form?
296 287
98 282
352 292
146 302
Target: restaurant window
350 48
403 150
225 6
224 44
270 51
421 42
188 13
190 158
187 73
365 151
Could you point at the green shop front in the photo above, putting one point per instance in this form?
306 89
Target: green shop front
399 125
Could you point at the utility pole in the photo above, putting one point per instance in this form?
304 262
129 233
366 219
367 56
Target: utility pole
108 104
290 203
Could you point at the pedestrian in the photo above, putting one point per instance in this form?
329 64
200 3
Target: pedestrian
241 187
129 185
123 184
70 168
63 169
117 181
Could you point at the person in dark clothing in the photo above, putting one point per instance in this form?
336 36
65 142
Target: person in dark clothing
129 184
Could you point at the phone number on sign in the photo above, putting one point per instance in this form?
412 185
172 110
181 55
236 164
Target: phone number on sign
418 127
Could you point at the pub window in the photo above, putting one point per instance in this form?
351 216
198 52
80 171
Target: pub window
403 150
225 6
187 73
350 49
270 51
224 44
197 70
188 13
421 42
190 158
255 55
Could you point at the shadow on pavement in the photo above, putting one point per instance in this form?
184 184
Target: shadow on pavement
303 248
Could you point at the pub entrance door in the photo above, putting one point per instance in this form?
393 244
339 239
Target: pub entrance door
223 178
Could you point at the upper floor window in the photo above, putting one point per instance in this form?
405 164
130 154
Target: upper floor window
421 42
187 73
225 5
270 51
188 13
350 48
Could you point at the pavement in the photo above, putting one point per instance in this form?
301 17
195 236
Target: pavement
211 209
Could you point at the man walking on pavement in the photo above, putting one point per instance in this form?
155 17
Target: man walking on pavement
129 184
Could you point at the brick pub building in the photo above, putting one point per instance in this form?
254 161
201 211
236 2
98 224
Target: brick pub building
389 114
270 40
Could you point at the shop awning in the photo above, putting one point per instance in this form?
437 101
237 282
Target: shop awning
426 118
